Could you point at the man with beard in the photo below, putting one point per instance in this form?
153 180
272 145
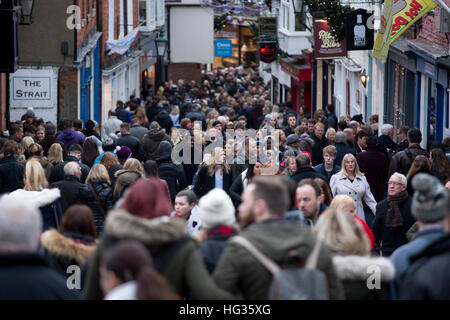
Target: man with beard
261 212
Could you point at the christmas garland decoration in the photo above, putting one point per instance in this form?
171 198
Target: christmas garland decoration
240 6
333 12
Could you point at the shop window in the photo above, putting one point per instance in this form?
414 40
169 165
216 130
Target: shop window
300 21
147 14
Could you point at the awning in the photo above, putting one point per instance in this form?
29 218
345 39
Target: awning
88 47
300 68
432 51
349 64
121 46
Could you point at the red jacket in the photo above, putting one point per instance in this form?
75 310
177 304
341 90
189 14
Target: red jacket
367 231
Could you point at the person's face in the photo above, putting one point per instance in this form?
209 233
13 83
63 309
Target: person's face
229 151
395 186
273 122
350 165
182 207
304 124
447 185
332 136
282 137
329 159
19 134
257 168
218 127
40 135
292 122
318 131
307 201
246 213
400 135
350 135
362 142
292 165
310 127
252 147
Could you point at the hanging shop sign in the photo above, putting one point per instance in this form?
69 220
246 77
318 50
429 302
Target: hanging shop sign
397 17
223 48
359 30
268 26
325 45
267 51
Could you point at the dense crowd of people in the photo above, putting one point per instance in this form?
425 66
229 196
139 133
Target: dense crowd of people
117 203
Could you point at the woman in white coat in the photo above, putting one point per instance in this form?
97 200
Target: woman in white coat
350 181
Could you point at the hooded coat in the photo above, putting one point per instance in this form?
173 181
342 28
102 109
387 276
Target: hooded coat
105 200
70 137
48 203
151 141
354 272
124 178
164 121
182 265
238 270
172 173
64 250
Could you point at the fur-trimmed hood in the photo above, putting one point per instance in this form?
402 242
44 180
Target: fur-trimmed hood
38 198
59 245
360 268
158 231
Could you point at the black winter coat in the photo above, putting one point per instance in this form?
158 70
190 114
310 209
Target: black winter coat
341 150
27 277
387 239
211 249
105 200
58 170
11 175
384 143
205 182
319 144
172 173
164 121
70 191
401 162
375 166
304 173
134 144
428 276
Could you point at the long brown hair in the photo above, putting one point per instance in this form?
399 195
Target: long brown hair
213 164
325 191
108 159
420 164
440 164
79 219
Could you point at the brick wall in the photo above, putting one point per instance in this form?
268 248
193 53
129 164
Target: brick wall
68 93
86 7
185 71
428 32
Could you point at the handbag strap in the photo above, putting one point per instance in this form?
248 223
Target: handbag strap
261 257
97 200
55 216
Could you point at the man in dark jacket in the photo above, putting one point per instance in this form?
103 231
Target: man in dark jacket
304 169
70 136
342 148
431 221
309 198
75 151
137 130
25 275
393 217
385 141
172 173
50 139
332 120
320 142
121 113
70 186
375 167
151 141
329 166
11 171
164 121
292 124
126 139
402 136
401 161
262 213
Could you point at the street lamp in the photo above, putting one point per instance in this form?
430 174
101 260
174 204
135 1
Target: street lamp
161 44
26 12
364 78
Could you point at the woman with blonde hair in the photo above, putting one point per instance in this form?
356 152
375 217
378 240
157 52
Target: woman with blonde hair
97 194
24 154
55 154
352 182
142 117
36 192
36 152
345 238
132 171
345 203
217 174
331 136
175 116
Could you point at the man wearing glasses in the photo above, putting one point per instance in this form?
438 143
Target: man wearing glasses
393 217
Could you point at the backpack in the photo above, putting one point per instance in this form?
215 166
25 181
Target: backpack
306 283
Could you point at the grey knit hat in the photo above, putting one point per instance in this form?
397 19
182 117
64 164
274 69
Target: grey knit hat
429 203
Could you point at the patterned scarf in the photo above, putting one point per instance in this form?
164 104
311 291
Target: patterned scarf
394 218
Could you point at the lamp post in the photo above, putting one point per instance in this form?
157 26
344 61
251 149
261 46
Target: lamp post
26 12
161 46
364 78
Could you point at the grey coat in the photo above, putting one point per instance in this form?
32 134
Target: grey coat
359 190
